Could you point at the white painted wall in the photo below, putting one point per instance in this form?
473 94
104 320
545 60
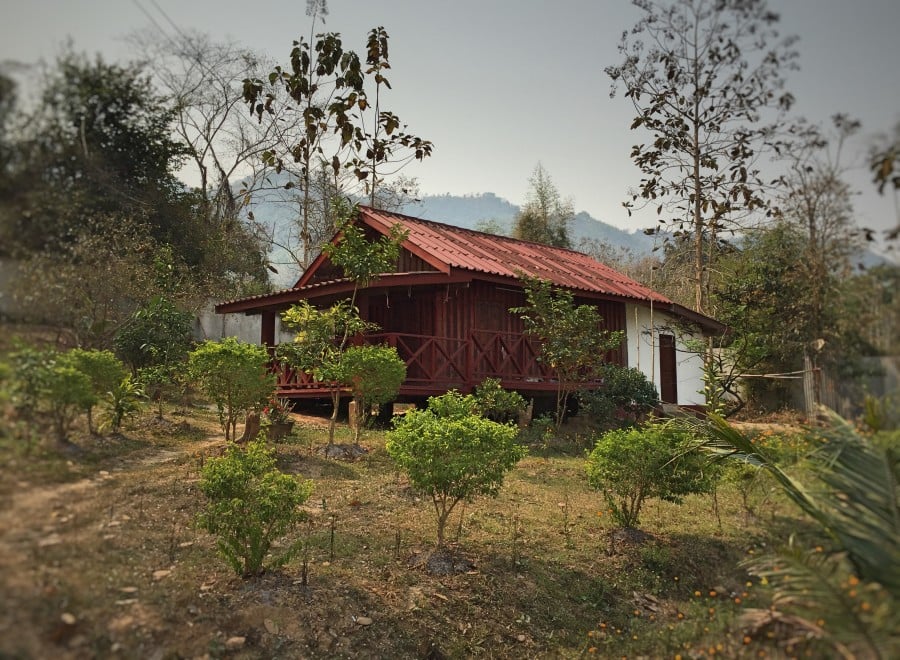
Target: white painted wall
210 325
643 352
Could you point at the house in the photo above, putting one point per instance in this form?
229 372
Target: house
445 308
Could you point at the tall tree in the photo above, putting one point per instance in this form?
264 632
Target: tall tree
703 76
545 217
342 125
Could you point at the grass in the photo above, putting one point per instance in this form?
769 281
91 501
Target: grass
549 580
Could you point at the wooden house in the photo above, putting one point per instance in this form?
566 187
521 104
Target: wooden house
445 308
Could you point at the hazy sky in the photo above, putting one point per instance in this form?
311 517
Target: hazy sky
500 85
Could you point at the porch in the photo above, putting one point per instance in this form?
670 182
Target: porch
435 365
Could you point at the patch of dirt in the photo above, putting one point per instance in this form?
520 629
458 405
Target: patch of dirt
443 561
344 452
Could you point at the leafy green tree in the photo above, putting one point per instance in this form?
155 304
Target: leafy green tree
453 454
235 376
374 375
159 333
702 76
318 345
545 217
658 460
343 125
573 341
105 371
251 504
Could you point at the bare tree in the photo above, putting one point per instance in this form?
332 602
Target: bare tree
704 76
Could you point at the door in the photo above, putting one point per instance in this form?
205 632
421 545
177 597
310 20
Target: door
668 378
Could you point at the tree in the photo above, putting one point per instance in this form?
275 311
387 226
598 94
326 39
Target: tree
703 77
453 454
374 375
573 341
545 217
235 376
251 505
658 460
884 162
327 84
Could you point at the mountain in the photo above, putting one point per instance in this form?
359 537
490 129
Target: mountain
477 211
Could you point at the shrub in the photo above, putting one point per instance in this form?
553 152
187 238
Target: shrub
121 402
251 504
235 376
626 399
374 374
452 454
498 404
658 460
104 370
157 334
65 392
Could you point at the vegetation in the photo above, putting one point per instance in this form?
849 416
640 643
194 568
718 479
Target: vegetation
658 460
497 404
235 376
626 398
374 375
104 371
573 341
452 454
251 505
545 217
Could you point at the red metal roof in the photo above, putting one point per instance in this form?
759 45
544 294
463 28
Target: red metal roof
475 251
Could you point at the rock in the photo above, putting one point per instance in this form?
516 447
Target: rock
160 574
235 643
363 621
271 626
521 638
68 618
128 590
53 539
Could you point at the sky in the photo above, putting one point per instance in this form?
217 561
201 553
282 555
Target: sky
499 85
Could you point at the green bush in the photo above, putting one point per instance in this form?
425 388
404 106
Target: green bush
122 401
65 392
157 334
452 454
498 404
658 460
103 368
235 376
626 399
251 504
374 374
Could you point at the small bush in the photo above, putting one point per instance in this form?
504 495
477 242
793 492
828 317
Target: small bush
452 454
103 368
626 399
122 401
659 460
374 374
251 504
498 404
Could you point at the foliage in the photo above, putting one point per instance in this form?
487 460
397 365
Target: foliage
573 342
374 375
625 399
701 77
103 368
545 217
277 410
157 334
843 599
497 404
234 375
658 460
251 505
453 454
64 392
342 122
122 401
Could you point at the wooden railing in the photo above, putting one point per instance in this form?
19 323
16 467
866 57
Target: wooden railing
443 363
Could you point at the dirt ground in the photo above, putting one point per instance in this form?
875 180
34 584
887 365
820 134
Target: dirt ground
100 556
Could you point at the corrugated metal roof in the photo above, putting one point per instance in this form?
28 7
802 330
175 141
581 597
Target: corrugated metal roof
508 257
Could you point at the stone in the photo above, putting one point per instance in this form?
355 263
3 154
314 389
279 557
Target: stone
68 618
364 621
160 574
235 643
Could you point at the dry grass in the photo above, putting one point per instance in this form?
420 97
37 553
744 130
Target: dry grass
87 531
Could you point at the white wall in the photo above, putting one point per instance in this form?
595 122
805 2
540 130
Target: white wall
210 325
643 352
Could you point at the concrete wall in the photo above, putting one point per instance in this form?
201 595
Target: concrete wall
209 325
643 328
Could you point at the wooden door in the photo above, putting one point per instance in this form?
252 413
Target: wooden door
668 377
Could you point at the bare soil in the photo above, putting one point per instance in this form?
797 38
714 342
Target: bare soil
100 557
